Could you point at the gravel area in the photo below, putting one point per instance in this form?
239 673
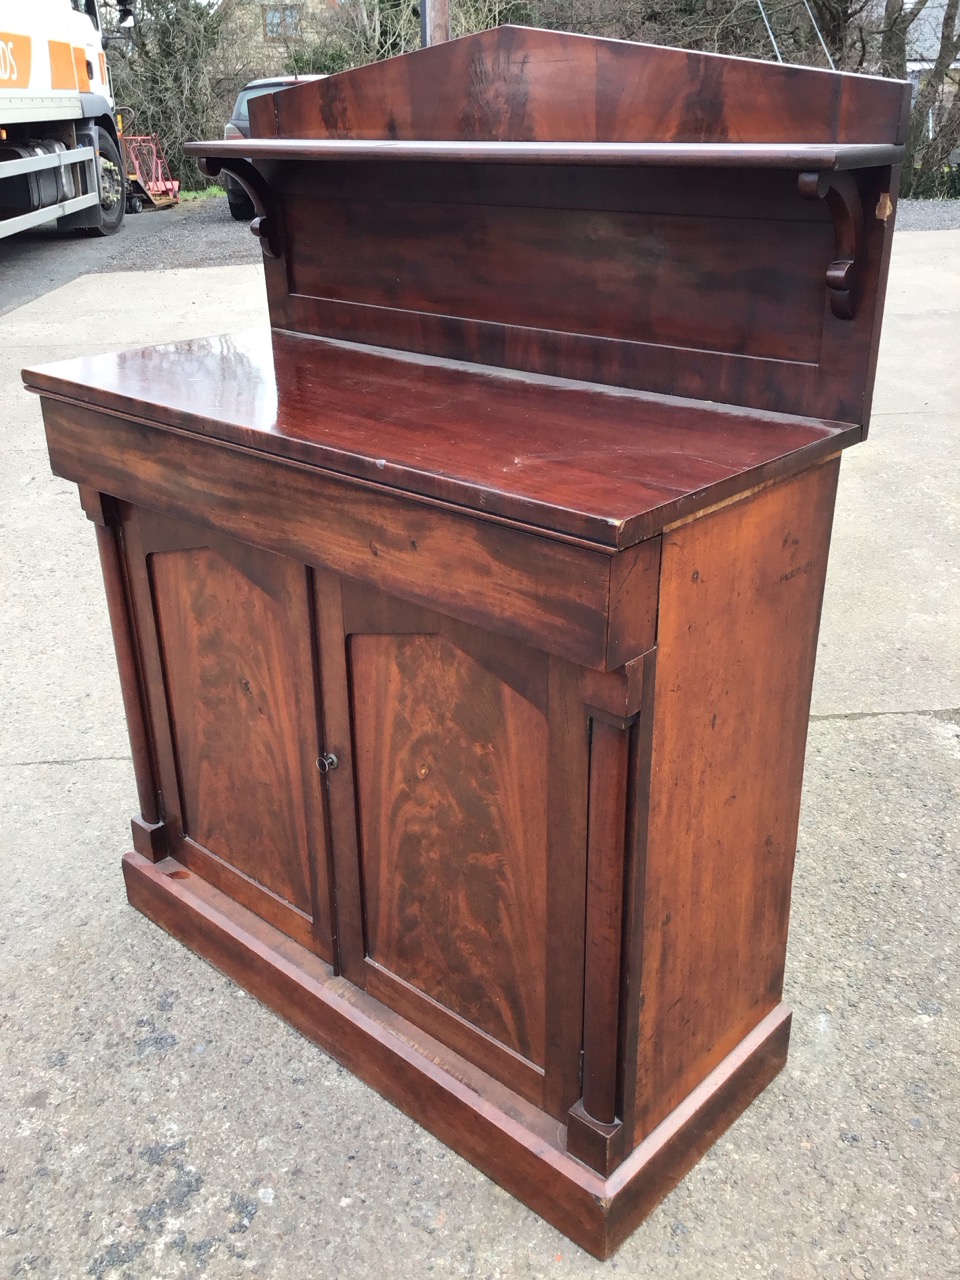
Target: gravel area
928 215
196 233
158 1124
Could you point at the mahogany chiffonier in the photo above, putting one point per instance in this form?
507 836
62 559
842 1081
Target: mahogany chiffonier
466 616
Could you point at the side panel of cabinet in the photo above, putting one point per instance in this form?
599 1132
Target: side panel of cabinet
227 639
739 615
469 881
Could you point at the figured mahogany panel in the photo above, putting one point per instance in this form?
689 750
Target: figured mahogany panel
463 767
451 770
740 604
520 84
234 710
226 636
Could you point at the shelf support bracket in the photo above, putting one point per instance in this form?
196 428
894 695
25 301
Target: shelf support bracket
842 195
266 225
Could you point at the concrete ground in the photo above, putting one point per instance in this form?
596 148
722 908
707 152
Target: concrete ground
156 1122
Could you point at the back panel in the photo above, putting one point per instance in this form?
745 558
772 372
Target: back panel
707 282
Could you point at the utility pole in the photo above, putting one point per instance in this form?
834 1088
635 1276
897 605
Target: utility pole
434 22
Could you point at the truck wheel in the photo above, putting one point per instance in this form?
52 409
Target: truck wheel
112 184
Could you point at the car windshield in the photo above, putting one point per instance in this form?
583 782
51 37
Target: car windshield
242 110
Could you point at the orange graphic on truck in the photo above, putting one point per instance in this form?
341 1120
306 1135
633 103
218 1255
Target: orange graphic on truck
14 60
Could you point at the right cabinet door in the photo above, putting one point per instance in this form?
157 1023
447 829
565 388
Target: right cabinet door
458 810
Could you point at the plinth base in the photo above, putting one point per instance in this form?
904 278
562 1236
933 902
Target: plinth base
511 1141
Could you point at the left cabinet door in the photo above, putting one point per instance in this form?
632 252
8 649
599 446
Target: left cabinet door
228 652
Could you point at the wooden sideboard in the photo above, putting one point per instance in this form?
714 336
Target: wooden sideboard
466 617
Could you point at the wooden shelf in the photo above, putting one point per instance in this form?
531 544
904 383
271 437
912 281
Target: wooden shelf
734 155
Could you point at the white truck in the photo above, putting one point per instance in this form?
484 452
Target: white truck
60 152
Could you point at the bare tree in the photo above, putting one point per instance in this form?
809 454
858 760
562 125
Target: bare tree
874 36
172 77
935 119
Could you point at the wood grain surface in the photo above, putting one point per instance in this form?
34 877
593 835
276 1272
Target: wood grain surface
467 618
518 84
739 614
519 116
225 635
467 914
791 157
521 448
532 588
233 707
670 280
511 1141
451 769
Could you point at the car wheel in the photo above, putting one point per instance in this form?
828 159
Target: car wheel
242 209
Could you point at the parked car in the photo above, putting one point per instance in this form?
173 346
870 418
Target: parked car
238 126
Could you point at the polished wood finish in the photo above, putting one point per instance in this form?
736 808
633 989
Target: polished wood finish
221 626
669 277
684 154
450 734
546 591
430 427
466 620
521 85
740 597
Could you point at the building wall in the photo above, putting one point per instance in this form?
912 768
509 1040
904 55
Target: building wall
268 33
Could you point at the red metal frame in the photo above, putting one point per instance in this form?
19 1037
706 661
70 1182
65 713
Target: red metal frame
147 169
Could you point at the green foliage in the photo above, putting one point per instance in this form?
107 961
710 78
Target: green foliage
208 193
942 184
319 58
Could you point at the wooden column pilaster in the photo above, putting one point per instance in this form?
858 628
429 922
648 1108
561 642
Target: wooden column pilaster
149 836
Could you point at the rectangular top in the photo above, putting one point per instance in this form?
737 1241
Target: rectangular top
576 460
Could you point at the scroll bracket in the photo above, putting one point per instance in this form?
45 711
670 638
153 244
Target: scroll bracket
266 225
840 191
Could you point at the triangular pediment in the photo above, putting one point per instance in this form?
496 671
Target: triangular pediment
520 84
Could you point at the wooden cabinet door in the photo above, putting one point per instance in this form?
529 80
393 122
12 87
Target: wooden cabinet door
458 814
226 633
